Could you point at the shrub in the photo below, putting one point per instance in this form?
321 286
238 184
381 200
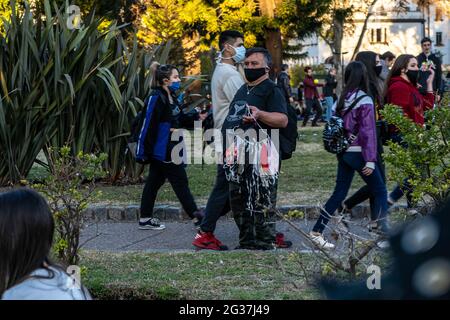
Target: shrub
426 156
69 188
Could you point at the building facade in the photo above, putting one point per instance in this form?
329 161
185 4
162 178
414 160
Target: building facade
388 30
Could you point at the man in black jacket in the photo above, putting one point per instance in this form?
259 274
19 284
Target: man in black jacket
426 56
284 82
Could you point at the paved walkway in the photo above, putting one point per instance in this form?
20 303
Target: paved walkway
178 236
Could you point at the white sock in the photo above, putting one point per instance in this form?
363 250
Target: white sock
143 220
390 201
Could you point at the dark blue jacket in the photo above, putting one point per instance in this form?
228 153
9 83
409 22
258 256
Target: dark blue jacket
155 121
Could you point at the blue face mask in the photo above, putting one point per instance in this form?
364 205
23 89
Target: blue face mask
175 86
240 54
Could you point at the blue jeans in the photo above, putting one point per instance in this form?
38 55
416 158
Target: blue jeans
348 163
400 190
330 102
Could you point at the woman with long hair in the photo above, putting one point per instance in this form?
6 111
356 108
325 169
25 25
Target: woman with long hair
26 238
372 62
402 91
358 113
162 117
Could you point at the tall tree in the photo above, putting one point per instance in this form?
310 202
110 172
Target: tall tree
272 33
290 19
333 29
368 14
269 23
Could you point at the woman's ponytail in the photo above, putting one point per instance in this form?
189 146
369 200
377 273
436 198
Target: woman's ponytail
160 72
154 69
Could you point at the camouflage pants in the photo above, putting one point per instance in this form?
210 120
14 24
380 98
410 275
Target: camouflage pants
257 228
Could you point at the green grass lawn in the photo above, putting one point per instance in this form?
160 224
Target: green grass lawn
273 275
202 275
307 178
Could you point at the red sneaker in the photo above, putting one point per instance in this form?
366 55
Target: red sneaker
207 240
280 242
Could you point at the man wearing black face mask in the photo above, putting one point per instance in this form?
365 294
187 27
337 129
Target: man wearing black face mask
267 110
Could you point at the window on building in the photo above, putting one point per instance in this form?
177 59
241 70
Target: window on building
439 39
378 35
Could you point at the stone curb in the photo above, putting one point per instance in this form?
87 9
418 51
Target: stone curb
130 213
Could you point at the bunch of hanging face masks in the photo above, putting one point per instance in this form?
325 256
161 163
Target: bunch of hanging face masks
254 166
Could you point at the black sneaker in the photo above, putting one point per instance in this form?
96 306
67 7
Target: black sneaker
151 224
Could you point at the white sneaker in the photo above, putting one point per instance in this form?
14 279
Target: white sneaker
412 212
320 241
383 244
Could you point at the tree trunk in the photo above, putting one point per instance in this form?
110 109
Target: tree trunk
274 45
337 52
273 36
364 29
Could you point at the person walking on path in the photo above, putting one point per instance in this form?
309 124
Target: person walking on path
372 62
161 118
402 91
311 97
226 81
357 110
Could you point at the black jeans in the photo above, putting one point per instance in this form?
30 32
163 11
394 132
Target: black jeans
348 164
176 174
312 104
218 202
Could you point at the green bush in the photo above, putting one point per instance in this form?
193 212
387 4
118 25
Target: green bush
426 158
69 189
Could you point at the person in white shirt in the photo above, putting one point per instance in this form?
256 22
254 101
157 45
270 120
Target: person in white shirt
226 81
26 237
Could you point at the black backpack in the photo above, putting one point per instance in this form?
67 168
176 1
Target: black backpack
288 135
135 139
334 134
